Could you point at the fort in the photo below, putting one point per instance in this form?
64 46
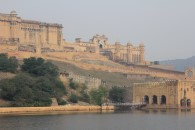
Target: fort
38 37
27 38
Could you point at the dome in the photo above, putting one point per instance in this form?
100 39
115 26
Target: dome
129 44
13 12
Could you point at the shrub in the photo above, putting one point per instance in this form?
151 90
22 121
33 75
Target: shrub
73 98
61 101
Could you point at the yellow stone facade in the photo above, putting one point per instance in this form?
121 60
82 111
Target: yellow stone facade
167 94
34 36
29 35
128 53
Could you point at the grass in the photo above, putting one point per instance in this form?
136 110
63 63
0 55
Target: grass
111 78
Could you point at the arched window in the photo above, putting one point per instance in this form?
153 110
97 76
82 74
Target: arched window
101 46
188 103
182 103
154 99
146 99
163 99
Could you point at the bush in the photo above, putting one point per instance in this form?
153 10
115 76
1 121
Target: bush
73 85
24 90
61 101
8 64
116 94
73 98
98 96
38 67
84 97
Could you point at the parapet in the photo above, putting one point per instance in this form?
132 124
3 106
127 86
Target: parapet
154 84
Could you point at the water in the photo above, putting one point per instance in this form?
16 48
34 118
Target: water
133 120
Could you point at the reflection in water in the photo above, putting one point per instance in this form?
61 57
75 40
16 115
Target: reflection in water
132 120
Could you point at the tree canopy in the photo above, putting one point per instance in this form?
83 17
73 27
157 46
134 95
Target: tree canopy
8 64
35 85
24 90
39 67
98 96
116 94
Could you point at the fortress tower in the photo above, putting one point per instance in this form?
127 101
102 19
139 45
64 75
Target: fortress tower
129 53
29 35
142 53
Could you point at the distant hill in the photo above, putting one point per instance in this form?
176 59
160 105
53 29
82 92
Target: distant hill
180 64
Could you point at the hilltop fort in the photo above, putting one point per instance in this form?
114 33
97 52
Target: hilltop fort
39 37
96 62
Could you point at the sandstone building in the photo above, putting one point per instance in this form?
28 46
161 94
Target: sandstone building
29 35
34 36
167 94
118 52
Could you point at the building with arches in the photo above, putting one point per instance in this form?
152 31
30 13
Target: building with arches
167 94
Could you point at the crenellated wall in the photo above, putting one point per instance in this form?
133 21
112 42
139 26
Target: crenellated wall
90 82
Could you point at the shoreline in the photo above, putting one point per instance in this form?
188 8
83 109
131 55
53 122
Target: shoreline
18 110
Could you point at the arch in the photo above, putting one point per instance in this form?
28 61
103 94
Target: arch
101 46
182 103
154 100
163 99
146 99
188 103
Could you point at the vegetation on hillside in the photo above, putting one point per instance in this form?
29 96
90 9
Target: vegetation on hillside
38 81
98 96
8 64
38 67
116 94
35 85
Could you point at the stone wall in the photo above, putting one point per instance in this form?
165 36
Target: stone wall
66 108
90 82
167 94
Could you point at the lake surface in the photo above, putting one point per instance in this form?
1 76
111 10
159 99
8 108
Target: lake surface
132 120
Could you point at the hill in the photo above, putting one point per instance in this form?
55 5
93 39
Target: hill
111 78
180 64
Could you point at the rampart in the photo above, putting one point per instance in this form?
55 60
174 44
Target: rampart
91 82
55 108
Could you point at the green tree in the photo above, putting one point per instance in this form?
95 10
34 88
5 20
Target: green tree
24 90
61 101
38 67
73 85
98 96
73 98
116 94
8 64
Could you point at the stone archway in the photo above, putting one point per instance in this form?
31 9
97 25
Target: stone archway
188 103
101 46
163 99
146 99
182 103
154 100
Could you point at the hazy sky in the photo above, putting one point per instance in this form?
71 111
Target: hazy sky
166 27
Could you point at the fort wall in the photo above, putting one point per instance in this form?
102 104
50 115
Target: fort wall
15 110
90 82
